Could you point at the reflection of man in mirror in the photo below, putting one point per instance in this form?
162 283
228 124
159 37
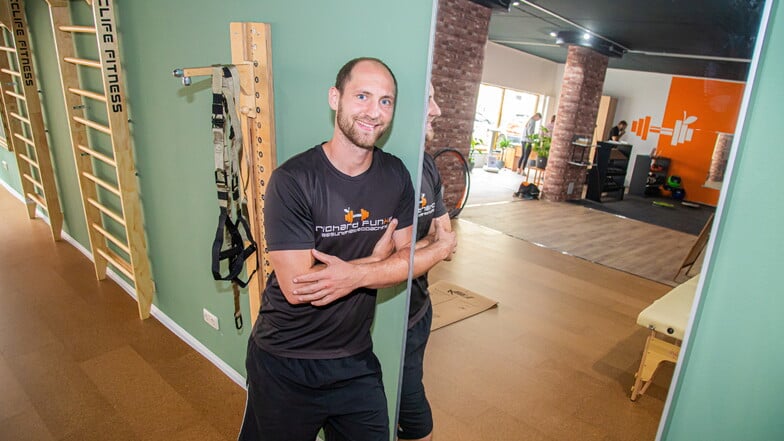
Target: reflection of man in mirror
415 420
618 131
337 220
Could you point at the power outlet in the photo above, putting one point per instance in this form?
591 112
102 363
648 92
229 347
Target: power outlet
5 165
211 319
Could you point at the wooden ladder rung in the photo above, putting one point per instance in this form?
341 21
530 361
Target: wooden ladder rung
33 181
98 155
11 72
37 199
105 210
28 159
3 143
83 62
93 125
15 95
27 141
7 49
19 117
118 262
78 29
88 94
109 236
105 185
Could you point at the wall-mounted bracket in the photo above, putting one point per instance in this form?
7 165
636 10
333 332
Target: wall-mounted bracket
251 54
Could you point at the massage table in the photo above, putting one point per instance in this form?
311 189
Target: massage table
666 318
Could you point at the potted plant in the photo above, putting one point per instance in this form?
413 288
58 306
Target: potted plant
476 153
541 145
505 145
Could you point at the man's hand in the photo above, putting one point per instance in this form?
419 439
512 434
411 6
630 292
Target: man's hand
334 279
445 240
385 246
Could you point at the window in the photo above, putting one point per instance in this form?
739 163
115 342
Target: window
503 111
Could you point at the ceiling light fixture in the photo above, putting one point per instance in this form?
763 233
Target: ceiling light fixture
586 36
604 47
619 48
553 34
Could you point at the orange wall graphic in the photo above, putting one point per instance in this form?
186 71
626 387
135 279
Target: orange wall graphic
697 111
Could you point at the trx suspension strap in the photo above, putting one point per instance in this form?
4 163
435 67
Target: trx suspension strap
233 229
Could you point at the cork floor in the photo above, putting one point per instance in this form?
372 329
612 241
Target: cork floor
76 363
554 361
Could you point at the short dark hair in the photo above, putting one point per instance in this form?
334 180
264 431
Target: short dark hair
623 122
344 74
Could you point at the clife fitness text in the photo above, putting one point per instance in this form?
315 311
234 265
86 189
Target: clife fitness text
111 62
22 45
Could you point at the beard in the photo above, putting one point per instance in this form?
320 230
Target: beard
430 134
360 138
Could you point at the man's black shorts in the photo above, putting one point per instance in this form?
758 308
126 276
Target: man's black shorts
416 419
290 399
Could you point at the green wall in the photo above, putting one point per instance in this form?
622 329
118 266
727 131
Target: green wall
173 140
10 175
732 377
55 121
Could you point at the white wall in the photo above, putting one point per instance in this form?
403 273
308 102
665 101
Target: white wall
511 68
639 94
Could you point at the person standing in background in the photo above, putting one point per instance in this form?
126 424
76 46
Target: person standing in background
618 131
530 130
550 126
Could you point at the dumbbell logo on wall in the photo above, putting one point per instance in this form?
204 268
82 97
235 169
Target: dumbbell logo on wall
680 134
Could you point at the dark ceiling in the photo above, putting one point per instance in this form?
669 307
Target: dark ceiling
704 38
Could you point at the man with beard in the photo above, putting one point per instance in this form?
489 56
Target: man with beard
415 416
346 205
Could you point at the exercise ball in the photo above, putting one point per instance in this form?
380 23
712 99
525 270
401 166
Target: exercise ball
674 182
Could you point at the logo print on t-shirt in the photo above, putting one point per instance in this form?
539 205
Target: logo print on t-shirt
350 215
424 209
354 221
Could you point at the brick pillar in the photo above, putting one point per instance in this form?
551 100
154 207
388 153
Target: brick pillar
581 91
459 52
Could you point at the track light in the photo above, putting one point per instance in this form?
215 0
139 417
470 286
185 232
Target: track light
565 38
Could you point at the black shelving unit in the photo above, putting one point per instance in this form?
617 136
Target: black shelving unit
608 172
657 175
581 150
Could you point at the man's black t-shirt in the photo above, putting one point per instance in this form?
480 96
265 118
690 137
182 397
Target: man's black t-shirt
431 205
311 204
615 131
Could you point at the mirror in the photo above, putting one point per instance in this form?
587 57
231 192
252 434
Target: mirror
560 352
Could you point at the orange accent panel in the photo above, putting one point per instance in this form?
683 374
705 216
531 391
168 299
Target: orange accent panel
716 105
646 127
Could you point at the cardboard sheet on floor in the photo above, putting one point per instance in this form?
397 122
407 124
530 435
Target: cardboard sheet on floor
452 303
